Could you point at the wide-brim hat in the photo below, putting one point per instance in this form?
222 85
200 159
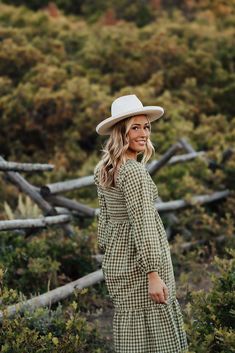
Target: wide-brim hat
124 107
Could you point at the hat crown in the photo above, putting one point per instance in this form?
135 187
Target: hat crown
125 104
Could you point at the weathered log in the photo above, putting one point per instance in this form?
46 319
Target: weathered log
53 296
29 190
68 185
200 199
63 210
185 157
50 189
225 156
156 165
212 164
175 159
25 167
72 205
33 222
25 187
187 146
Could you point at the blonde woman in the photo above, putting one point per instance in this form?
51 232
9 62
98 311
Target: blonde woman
137 264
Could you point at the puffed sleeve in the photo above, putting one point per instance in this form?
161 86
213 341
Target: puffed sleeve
102 216
141 210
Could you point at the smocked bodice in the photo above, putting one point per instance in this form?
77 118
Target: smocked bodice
114 198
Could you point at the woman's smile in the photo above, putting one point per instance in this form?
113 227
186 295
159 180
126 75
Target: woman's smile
141 142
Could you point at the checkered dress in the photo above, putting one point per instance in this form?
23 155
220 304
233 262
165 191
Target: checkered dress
134 241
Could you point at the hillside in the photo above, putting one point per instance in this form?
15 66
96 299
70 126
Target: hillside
61 66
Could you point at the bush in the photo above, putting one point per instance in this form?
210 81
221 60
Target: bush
210 318
51 331
58 77
47 260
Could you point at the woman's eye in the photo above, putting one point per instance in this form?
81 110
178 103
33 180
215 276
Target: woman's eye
136 127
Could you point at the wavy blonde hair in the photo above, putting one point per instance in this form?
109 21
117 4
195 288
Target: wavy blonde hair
114 152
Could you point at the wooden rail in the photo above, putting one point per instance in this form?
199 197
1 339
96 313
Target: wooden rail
47 199
52 296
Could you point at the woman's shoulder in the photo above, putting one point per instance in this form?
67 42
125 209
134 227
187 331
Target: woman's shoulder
131 169
133 165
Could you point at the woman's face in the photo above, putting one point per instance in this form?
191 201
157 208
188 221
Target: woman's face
138 134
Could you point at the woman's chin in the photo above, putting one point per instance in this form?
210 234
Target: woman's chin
141 149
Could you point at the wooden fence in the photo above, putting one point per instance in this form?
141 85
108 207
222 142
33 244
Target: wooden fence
58 210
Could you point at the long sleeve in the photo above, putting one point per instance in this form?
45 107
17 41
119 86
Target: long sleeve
141 210
102 223
102 216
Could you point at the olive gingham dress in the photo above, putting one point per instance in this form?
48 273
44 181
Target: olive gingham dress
134 241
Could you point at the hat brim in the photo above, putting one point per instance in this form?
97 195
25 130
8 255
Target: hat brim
105 126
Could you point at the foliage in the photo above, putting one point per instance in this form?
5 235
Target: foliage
210 315
53 331
56 329
58 76
139 11
47 260
26 208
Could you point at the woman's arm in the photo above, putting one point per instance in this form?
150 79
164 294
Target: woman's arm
141 210
102 223
103 215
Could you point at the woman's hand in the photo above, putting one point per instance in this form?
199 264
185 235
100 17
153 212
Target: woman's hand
157 289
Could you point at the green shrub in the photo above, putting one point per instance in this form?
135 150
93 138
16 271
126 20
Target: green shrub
51 331
58 77
46 260
210 316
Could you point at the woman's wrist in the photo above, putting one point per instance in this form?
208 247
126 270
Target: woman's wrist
153 274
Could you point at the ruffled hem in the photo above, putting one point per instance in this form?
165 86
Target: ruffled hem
157 328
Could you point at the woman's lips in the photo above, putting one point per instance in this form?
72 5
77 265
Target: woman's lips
142 143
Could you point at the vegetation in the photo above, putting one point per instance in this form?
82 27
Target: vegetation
58 76
50 330
35 265
46 261
61 66
211 316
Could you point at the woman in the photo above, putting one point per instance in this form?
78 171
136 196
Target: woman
137 263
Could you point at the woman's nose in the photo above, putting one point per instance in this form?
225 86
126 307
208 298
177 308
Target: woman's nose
144 132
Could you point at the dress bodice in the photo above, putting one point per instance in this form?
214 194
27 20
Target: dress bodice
114 195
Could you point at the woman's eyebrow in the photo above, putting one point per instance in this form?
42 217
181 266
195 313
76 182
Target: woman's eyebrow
140 124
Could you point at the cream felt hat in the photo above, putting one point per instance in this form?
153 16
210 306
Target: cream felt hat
124 107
